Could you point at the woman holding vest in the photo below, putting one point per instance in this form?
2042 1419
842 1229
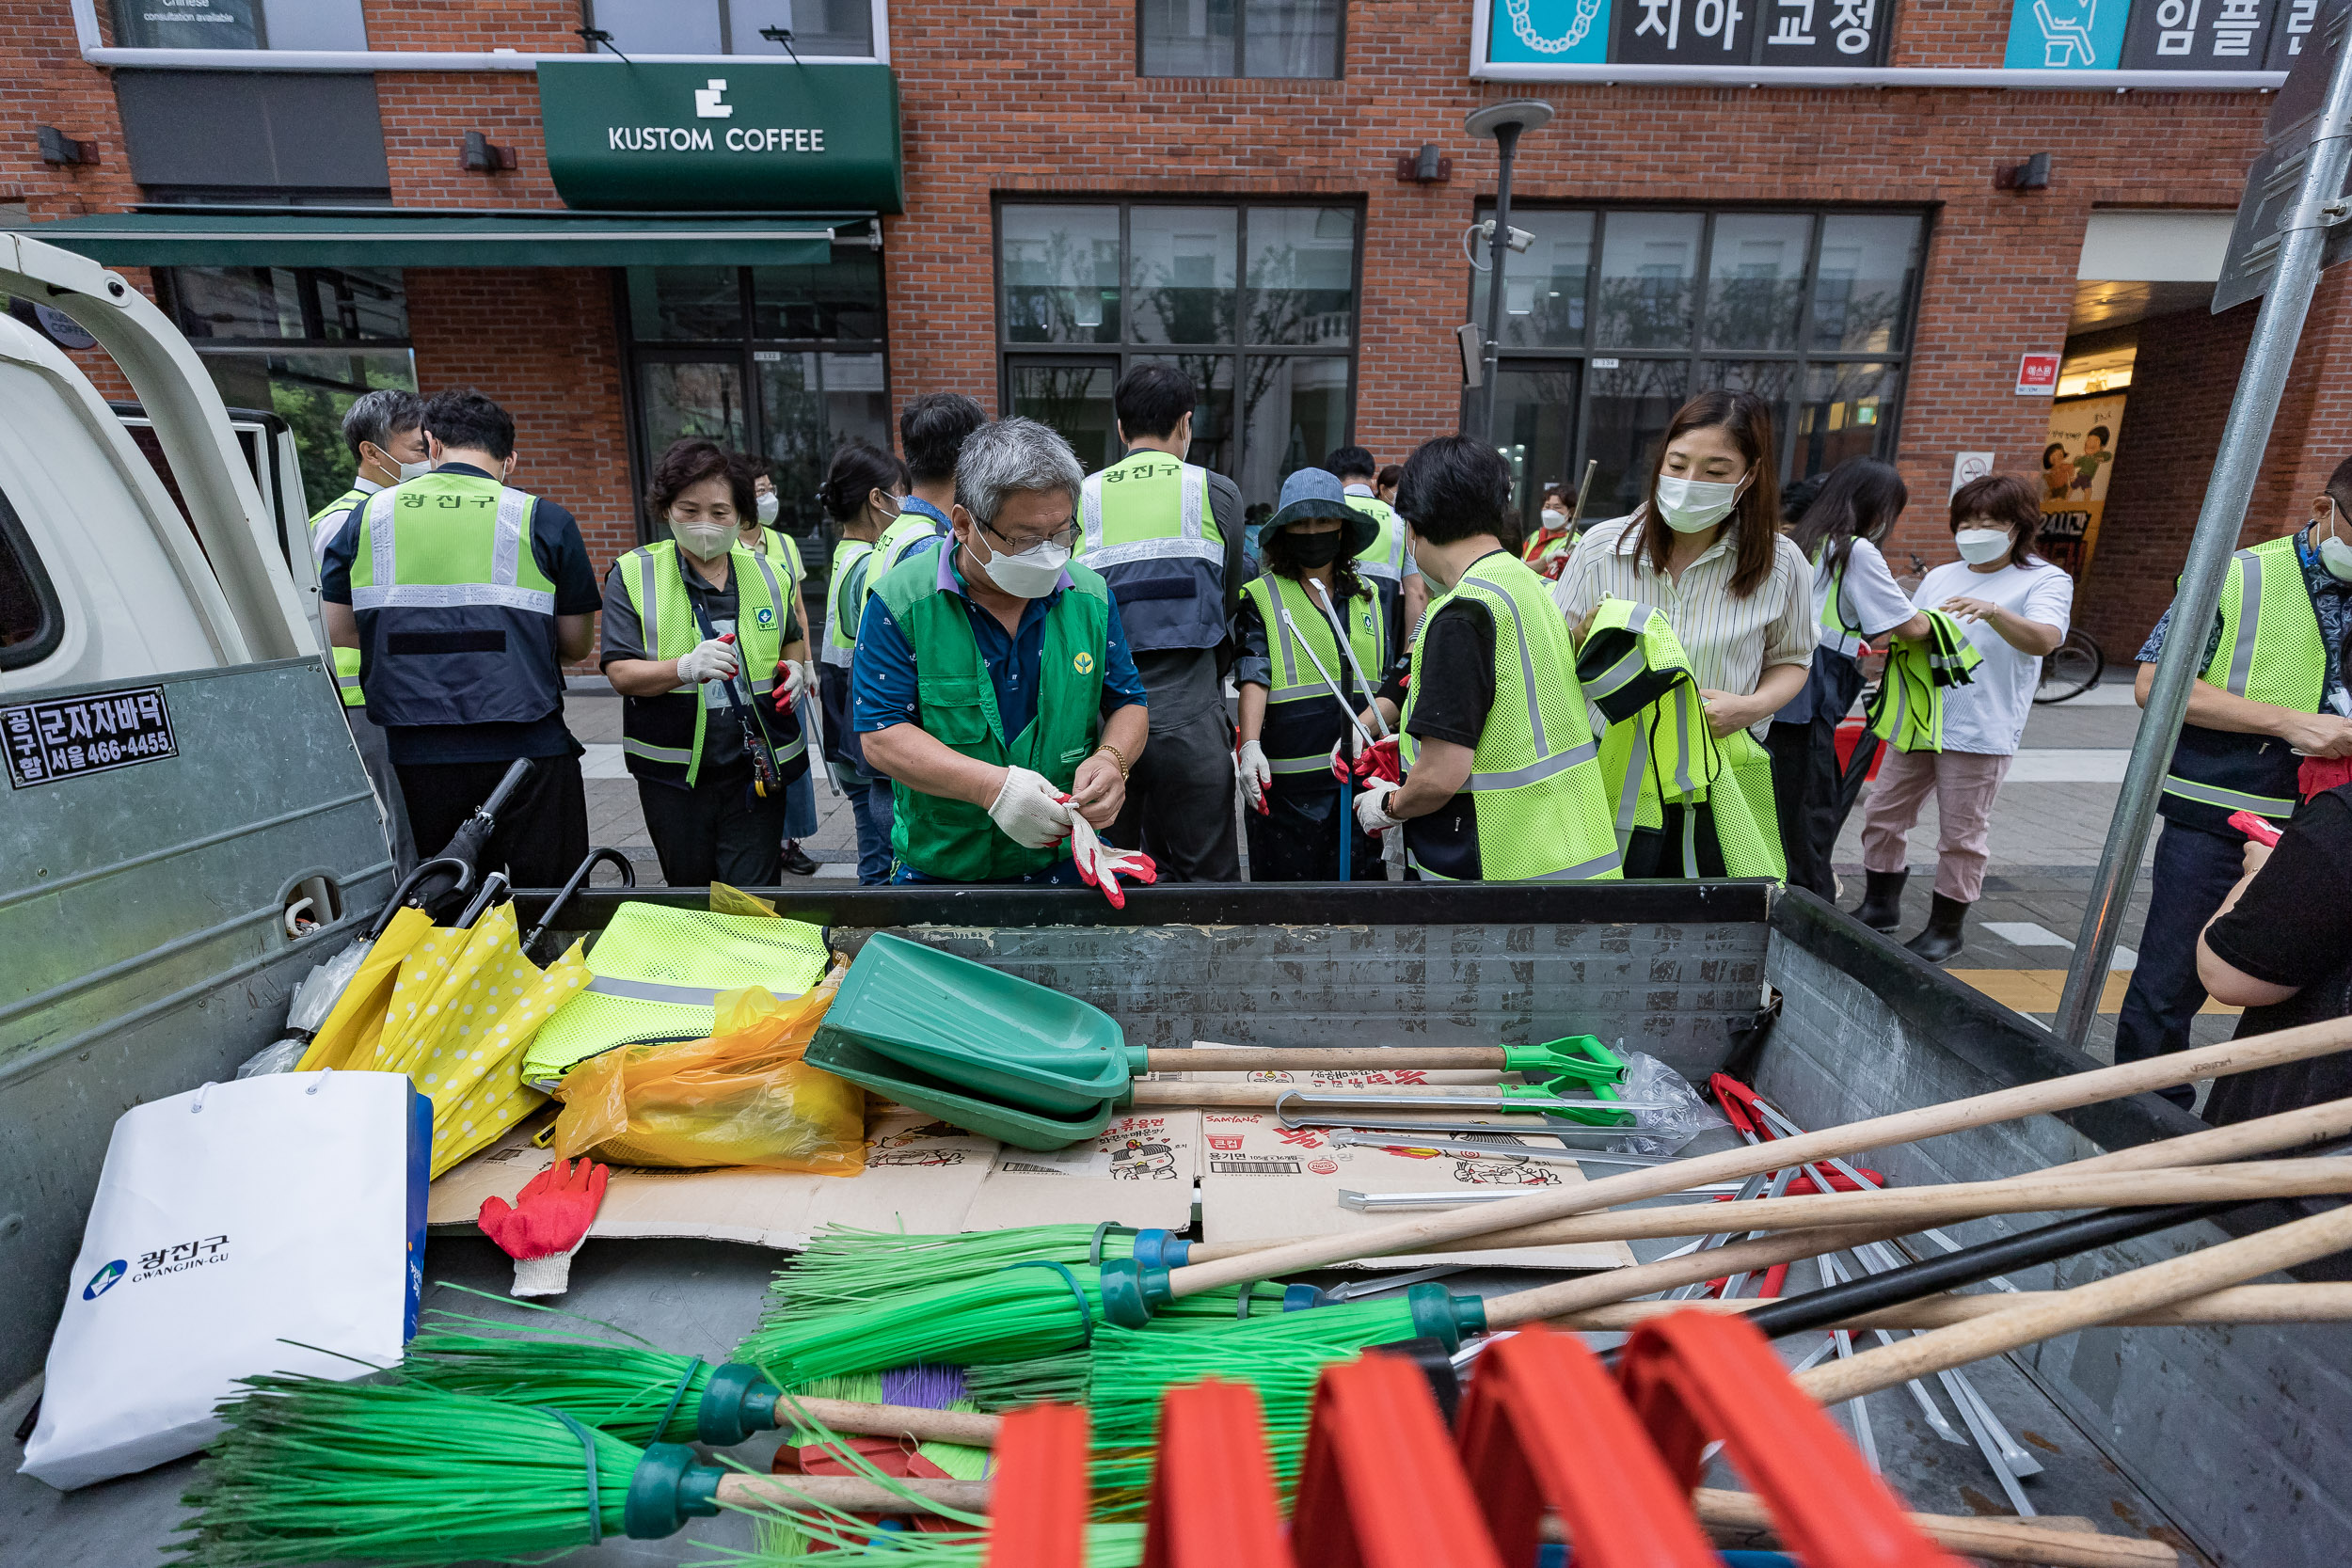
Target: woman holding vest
1290 721
1710 601
1854 597
2014 607
698 632
863 493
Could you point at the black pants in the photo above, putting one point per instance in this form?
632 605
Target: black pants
1657 851
1179 801
717 832
542 833
1298 838
1806 775
2194 871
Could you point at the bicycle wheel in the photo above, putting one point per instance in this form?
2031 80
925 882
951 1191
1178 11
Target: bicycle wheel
2071 669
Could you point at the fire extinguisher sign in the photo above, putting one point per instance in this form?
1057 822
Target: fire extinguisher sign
2037 375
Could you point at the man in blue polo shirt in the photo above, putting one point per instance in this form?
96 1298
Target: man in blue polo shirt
993 683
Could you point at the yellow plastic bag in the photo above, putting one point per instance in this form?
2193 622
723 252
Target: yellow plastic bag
743 1096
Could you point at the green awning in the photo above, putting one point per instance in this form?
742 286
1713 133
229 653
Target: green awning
205 237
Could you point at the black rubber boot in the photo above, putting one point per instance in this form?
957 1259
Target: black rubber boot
1941 939
1881 905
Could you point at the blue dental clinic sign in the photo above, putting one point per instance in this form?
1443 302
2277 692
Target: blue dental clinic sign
761 135
2158 35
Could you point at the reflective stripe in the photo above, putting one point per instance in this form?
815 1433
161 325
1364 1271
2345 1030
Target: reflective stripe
2228 799
1194 483
447 596
1599 865
1684 783
1301 764
1103 559
649 601
1091 515
1527 661
837 658
380 554
1559 762
1614 678
2248 619
506 551
349 683
682 755
775 594
649 990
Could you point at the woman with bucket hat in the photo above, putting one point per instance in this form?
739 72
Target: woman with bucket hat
1309 630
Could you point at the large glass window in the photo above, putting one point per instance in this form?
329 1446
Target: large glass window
818 27
240 25
1239 37
1613 318
1256 302
304 342
785 363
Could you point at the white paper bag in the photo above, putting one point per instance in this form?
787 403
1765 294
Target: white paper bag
228 1221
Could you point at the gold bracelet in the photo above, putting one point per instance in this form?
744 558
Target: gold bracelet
1116 756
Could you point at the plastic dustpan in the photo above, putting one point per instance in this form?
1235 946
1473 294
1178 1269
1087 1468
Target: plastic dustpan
955 1026
950 1102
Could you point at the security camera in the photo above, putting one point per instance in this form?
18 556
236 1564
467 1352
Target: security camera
1484 234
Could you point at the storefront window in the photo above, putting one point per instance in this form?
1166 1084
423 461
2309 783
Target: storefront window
785 363
239 24
302 341
1612 319
1240 38
1256 302
818 27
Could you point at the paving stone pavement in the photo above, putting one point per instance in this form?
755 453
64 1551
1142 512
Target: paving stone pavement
2048 828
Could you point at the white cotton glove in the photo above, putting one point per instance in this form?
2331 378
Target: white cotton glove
1372 807
1257 774
1344 750
714 661
793 682
1029 811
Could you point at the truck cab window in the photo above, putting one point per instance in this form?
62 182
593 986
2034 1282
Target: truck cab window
31 622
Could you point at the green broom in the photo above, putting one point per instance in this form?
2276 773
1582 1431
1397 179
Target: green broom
845 1266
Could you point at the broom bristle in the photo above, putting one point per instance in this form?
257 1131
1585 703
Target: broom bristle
621 1386
313 1470
844 1266
1011 1314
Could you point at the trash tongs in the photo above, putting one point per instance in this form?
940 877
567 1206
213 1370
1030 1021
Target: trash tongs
1607 1117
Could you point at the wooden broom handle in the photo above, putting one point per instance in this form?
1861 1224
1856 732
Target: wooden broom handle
1993 1540
2142 1290
2238 1304
2294 1128
1263 1097
853 1493
1920 1207
890 1420
1314 1058
1434 1232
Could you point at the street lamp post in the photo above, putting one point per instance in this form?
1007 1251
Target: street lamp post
1503 122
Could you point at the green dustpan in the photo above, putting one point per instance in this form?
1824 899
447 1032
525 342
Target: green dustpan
926 1027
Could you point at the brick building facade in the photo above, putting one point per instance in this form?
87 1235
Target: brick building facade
1033 106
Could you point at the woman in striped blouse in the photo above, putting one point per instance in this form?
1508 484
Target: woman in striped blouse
1706 548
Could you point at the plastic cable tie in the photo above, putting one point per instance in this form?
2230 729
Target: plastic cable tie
1094 1249
588 1446
677 1396
1086 1313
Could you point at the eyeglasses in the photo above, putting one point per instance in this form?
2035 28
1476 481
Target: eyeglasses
1067 537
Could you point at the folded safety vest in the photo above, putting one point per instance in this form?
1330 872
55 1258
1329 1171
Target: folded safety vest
1908 711
659 974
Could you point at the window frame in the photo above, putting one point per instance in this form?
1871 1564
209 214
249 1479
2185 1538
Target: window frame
1128 353
878 29
1241 52
636 352
16 541
1697 353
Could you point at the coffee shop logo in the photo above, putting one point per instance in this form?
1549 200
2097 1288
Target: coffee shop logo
707 104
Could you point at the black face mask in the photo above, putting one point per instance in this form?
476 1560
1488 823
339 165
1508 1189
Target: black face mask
1312 549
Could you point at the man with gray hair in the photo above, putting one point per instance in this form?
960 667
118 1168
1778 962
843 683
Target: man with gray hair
385 430
995 685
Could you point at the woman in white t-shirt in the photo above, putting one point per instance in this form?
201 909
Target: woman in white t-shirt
1854 597
2015 606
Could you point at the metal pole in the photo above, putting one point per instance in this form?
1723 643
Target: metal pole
2243 440
1506 145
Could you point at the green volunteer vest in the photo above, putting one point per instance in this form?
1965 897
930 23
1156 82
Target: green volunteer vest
1297 734
907 531
1908 711
1147 525
954 839
2270 651
1541 810
1658 748
346 659
841 616
1383 559
782 548
661 736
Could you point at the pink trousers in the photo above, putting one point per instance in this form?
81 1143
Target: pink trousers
1965 784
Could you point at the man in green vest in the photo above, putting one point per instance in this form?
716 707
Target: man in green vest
466 598
1503 780
993 682
1166 536
385 432
1388 561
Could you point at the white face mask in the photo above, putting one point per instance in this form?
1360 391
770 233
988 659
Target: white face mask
1695 505
1030 575
770 506
1555 520
414 470
1981 546
2334 553
703 541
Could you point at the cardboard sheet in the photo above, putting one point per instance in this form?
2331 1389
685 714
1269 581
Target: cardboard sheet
921 1176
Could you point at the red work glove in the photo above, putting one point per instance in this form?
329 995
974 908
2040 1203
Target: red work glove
2318 773
793 680
546 1224
1380 762
1102 865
